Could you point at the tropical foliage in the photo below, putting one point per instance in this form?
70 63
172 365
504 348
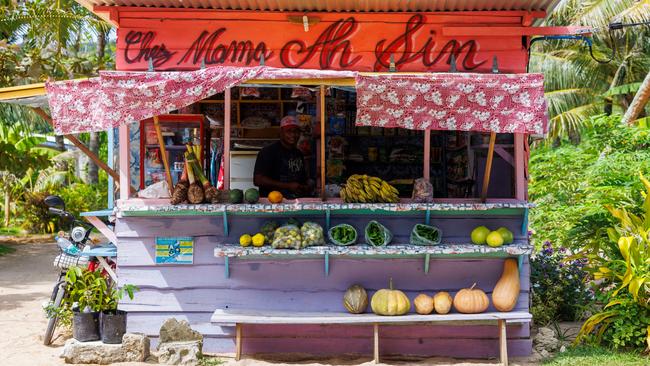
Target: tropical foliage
622 267
585 78
572 184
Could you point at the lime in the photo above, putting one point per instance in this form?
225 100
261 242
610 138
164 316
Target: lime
508 238
480 234
245 240
494 239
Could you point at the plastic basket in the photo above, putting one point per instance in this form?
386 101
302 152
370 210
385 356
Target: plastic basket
65 261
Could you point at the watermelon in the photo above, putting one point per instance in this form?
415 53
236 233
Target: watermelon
235 196
251 195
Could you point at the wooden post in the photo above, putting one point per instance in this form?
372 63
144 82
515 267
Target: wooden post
520 174
163 152
322 142
237 342
226 138
125 154
375 328
503 343
488 167
427 155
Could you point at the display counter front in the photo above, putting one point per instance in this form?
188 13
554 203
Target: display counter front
215 272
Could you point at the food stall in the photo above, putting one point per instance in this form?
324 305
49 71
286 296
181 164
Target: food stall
387 94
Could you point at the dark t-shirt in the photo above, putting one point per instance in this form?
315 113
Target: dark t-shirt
281 164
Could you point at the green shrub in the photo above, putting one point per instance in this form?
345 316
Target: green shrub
571 184
79 197
621 267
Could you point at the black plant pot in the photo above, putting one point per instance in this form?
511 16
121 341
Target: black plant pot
85 326
113 326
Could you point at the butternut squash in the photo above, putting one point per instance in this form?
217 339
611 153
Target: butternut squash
506 291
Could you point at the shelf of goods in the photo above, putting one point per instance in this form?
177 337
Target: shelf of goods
330 213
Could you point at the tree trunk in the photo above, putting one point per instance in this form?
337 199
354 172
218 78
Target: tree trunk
640 100
60 143
92 169
7 203
102 37
93 142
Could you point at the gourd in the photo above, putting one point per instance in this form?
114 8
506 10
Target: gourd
471 300
423 304
506 291
355 299
390 302
442 302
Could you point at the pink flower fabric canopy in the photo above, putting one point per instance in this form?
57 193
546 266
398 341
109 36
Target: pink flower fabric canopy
478 102
503 103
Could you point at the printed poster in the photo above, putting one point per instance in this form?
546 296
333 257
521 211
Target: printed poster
178 250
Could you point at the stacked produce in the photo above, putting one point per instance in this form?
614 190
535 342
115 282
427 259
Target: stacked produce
367 189
179 194
482 235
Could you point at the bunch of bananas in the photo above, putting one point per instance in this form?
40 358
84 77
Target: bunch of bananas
366 189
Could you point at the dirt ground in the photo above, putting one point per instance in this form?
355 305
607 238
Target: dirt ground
26 280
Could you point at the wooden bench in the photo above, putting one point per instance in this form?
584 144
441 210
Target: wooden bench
240 317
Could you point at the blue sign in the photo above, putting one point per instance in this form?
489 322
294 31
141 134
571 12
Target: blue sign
175 250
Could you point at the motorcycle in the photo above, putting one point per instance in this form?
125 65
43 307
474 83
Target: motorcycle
77 249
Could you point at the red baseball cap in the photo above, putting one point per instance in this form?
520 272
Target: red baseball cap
289 121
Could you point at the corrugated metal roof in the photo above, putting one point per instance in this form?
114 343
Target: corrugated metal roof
336 5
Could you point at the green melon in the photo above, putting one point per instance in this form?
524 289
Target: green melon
235 196
251 195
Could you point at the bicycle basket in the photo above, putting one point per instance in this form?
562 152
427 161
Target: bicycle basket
65 261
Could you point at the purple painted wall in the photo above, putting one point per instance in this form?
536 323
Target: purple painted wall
193 292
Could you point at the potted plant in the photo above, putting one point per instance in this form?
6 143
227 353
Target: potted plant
113 321
85 291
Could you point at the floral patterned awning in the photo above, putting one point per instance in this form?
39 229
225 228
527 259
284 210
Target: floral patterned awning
479 102
502 103
116 98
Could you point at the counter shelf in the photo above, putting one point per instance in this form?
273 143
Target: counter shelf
391 251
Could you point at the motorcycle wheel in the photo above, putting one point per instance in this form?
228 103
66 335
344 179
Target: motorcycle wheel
57 296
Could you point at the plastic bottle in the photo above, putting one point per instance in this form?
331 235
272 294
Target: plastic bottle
66 246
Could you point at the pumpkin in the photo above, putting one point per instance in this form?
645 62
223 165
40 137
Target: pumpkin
506 291
423 304
355 299
390 302
471 300
442 302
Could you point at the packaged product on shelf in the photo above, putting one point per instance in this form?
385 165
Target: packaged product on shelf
425 235
312 234
342 234
422 191
377 234
268 230
287 237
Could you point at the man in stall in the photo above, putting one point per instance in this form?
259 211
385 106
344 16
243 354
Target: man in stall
281 166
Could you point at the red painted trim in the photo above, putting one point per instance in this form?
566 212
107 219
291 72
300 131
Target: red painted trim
512 31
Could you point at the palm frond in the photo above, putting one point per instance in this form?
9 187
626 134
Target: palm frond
573 120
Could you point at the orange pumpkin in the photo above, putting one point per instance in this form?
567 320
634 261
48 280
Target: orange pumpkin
442 302
275 197
471 300
423 304
506 291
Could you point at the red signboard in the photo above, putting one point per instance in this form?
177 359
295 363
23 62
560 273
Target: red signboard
362 42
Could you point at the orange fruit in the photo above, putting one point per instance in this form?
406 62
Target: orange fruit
275 197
